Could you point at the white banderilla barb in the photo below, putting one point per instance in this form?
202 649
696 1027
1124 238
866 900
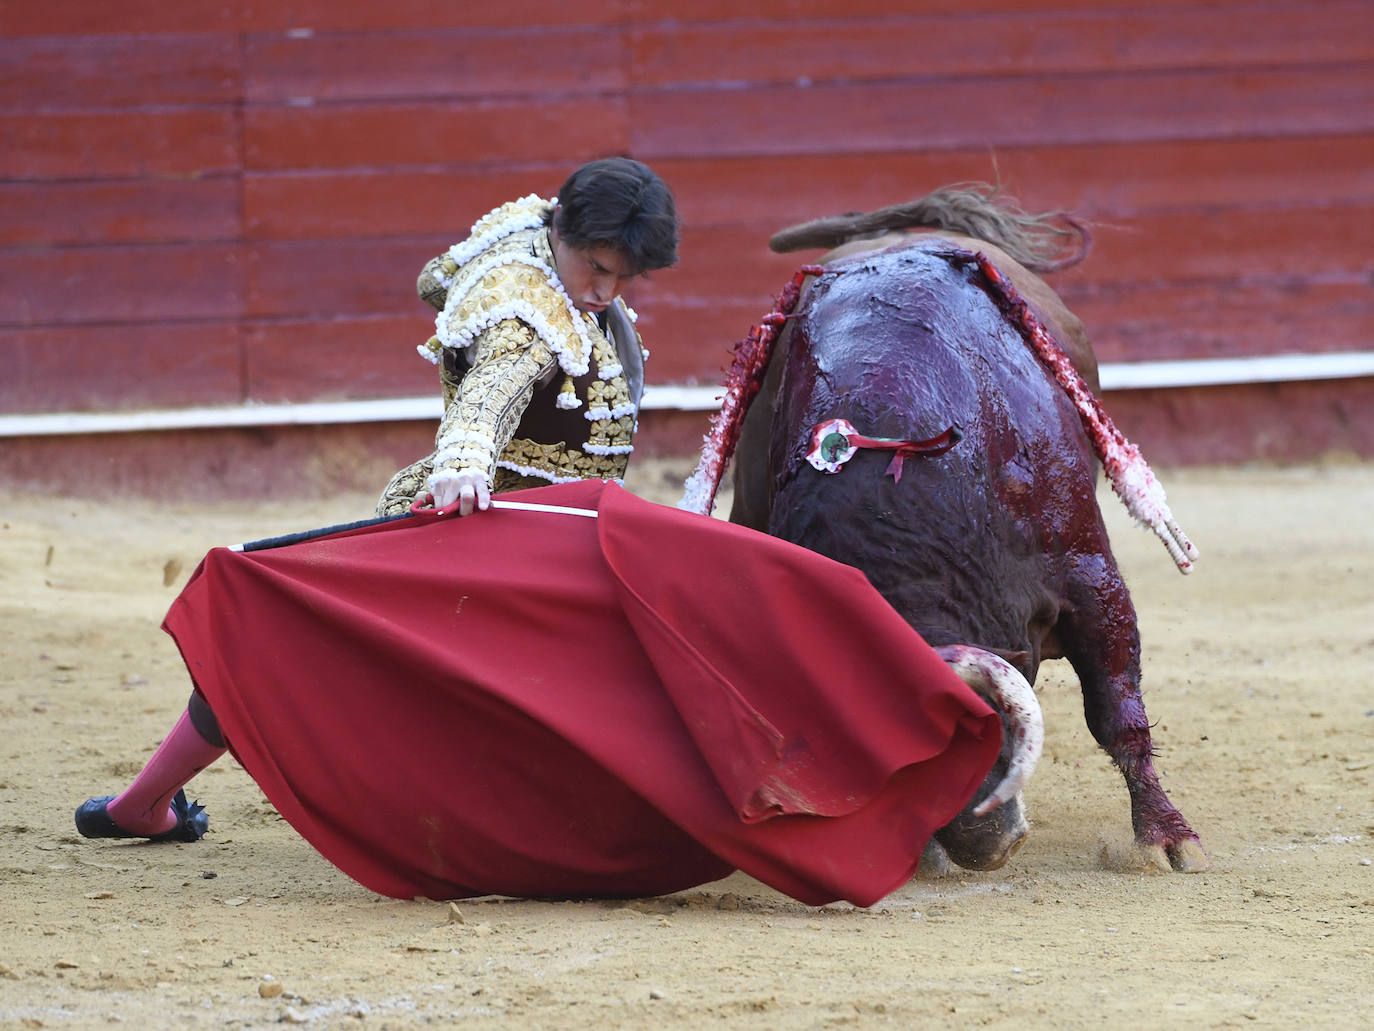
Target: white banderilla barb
1002 684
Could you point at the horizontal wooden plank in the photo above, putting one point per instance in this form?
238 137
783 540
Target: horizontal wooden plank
1110 179
1275 247
691 343
1095 180
121 284
1221 425
57 17
337 279
717 266
1226 320
81 17
925 115
835 10
438 134
329 205
769 193
60 145
119 211
286 462
337 359
99 368
720 263
433 63
1270 247
53 72
1041 43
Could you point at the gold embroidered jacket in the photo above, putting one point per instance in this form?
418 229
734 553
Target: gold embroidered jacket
532 386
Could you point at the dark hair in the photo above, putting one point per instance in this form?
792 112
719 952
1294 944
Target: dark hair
620 203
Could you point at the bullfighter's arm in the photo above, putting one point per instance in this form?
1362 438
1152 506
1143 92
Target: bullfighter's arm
509 361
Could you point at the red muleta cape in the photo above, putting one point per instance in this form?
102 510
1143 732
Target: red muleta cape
547 705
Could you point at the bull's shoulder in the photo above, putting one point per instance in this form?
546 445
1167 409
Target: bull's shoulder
1066 326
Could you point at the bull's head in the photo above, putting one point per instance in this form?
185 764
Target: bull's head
992 826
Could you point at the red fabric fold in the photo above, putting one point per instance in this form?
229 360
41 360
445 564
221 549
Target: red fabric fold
546 705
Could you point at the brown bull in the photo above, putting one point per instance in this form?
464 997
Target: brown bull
996 543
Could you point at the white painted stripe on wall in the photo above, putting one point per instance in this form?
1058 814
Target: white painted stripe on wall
1114 376
1222 371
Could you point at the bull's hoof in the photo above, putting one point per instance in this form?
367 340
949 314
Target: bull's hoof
1187 857
1132 856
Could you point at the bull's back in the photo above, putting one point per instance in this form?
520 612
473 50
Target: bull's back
1067 327
904 344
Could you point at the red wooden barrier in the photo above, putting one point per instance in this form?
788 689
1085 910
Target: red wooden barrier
264 181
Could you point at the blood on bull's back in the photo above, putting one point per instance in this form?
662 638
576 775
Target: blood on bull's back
966 544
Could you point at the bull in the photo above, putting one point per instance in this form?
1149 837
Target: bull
926 328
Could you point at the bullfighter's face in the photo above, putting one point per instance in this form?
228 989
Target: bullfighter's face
592 276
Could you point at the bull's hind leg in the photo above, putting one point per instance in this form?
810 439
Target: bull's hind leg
1099 638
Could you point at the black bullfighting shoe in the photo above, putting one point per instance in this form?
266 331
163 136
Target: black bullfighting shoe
93 821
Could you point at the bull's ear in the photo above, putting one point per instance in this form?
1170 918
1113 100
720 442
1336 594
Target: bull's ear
1017 659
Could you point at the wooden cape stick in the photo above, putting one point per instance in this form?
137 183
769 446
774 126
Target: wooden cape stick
326 531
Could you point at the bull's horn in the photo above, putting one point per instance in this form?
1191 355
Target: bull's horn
1003 685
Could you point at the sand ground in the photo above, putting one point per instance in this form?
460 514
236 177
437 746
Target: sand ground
1257 675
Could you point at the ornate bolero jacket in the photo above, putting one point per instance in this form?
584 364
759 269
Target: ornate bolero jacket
532 386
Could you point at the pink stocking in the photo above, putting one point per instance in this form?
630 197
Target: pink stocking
145 806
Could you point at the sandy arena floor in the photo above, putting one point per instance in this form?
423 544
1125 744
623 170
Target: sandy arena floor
1257 673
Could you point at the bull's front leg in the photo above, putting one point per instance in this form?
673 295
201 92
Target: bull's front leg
1100 639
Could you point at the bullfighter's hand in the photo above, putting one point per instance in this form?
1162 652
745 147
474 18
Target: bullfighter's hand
468 488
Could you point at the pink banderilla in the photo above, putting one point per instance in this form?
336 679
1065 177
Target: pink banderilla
1130 475
747 369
